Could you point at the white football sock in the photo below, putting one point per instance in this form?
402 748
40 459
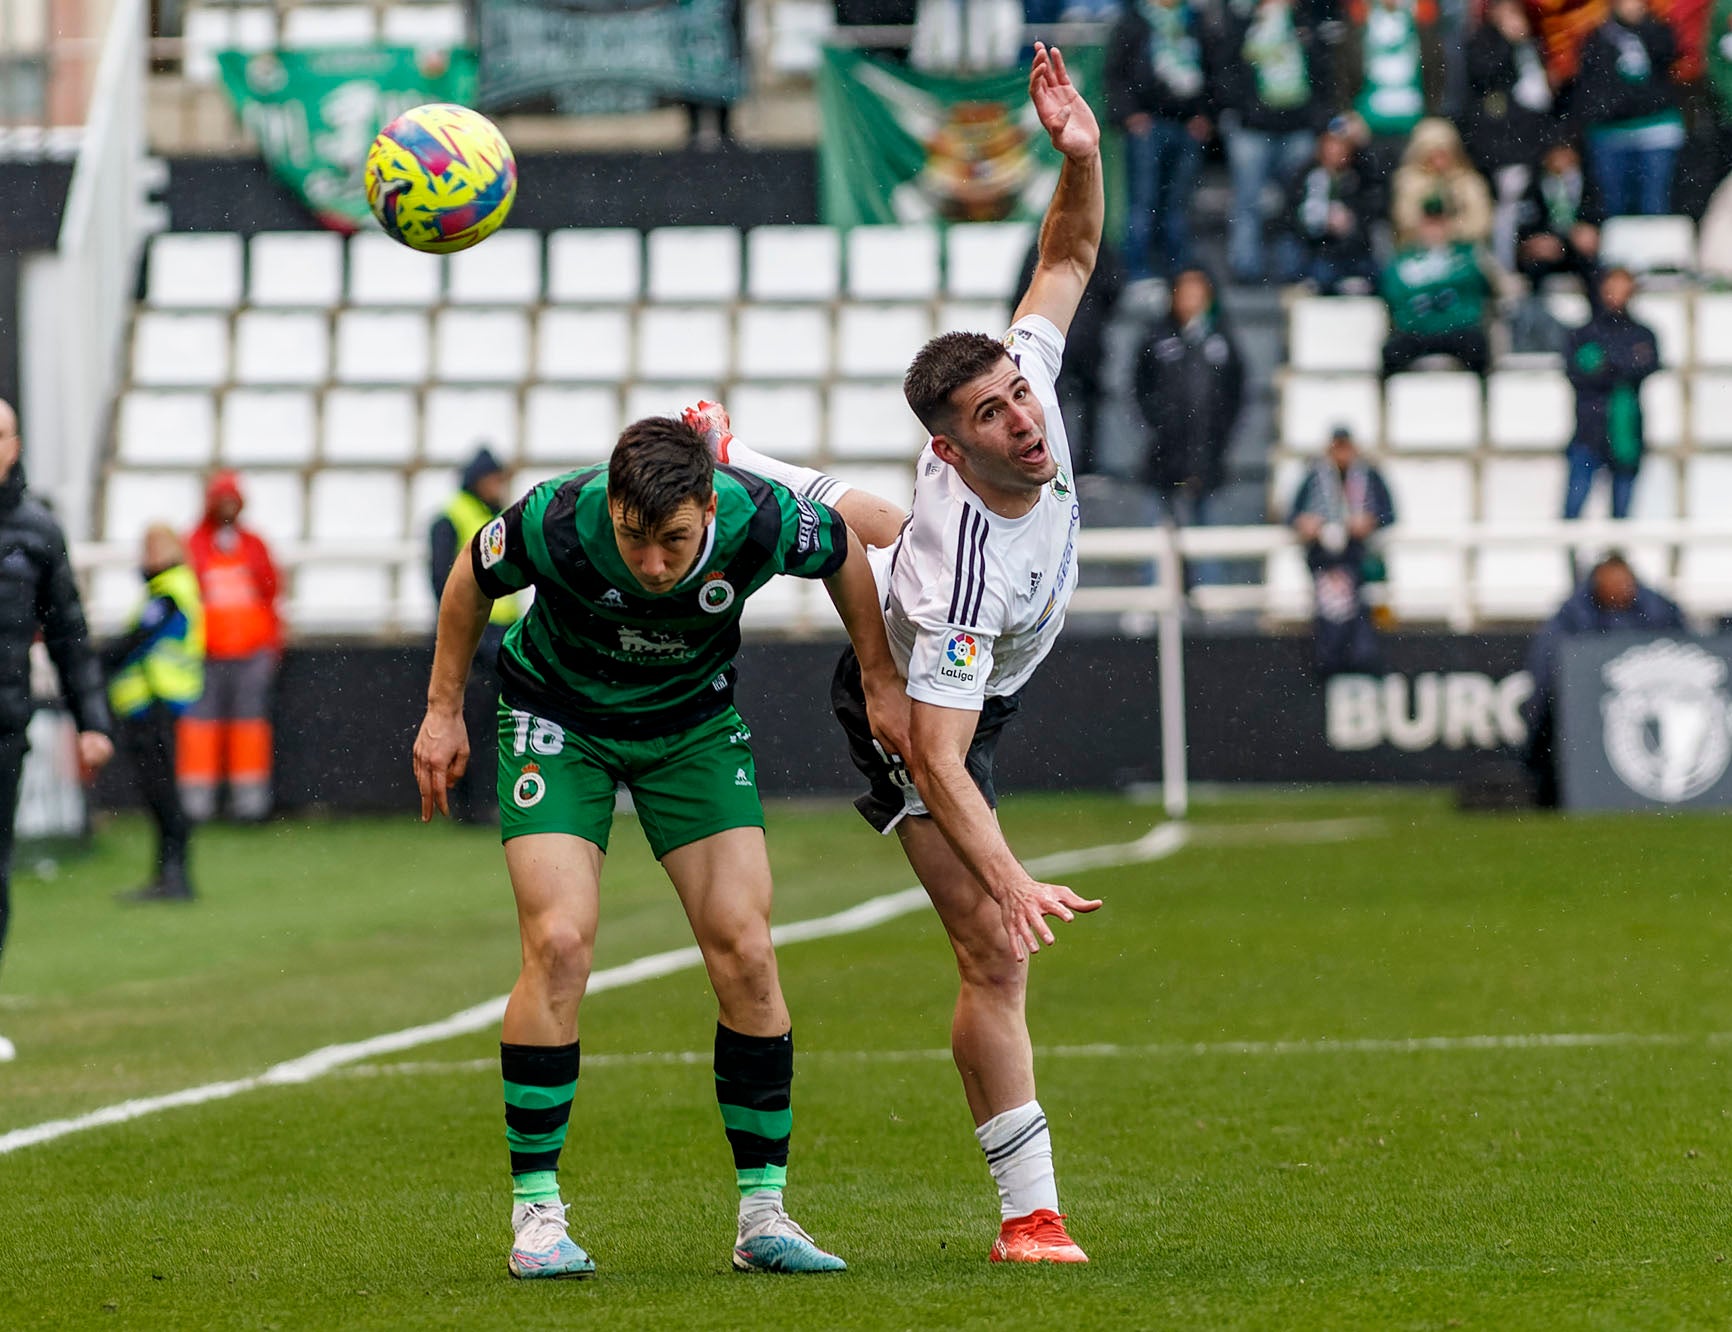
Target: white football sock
1019 1152
807 481
759 1206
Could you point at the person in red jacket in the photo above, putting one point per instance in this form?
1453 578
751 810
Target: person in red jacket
227 733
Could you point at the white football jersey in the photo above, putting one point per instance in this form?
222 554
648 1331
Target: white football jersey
973 601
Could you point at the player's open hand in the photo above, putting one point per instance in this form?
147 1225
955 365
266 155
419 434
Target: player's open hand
1026 907
441 757
94 751
1064 115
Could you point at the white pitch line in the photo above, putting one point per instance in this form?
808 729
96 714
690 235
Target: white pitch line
1160 842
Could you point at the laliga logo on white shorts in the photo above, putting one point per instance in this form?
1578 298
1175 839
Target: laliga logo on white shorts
530 787
1668 723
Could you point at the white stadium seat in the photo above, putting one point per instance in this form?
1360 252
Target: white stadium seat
987 317
873 421
1313 405
166 429
1431 494
594 266
276 504
207 31
273 347
1668 314
180 350
1425 583
982 260
682 342
891 481
583 343
1712 328
382 347
456 421
1708 489
1704 582
295 269
526 479
878 341
893 263
268 427
310 27
778 603
195 271
1289 583
694 264
428 27
1440 411
783 342
1529 409
382 272
1711 409
369 426
429 491
1337 332
1520 582
1663 410
793 263
1521 490
784 420
798 32
669 399
481 346
340 597
570 426
505 271
1649 244
1286 473
354 508
1655 496
135 500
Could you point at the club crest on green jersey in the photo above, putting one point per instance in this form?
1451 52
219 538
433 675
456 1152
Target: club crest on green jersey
717 593
531 786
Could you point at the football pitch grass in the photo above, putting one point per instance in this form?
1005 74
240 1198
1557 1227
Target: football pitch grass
1410 1070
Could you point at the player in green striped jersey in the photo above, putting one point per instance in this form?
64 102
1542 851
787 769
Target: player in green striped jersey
622 673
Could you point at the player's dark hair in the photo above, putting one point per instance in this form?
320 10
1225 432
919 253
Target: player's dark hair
658 464
941 367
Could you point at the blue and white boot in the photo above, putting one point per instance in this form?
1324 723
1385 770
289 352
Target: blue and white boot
542 1250
770 1241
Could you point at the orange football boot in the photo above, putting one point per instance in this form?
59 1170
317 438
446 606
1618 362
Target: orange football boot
1038 1237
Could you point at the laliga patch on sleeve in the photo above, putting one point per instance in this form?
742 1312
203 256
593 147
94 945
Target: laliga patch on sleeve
493 543
959 660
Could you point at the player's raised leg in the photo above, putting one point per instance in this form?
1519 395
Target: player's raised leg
724 884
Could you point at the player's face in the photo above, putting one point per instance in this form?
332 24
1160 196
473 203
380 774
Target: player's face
1001 431
659 557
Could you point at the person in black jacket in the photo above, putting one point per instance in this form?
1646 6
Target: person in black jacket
1331 209
1510 112
37 591
1079 383
1627 101
1558 225
1157 77
1607 359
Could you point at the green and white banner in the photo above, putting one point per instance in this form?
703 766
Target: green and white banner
315 113
899 145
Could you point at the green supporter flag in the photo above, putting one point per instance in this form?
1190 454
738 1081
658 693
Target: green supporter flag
315 113
900 145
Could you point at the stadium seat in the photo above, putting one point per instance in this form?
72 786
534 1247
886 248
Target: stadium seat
1712 328
594 266
892 263
1708 489
878 341
1668 314
1425 583
352 508
505 271
779 604
1287 583
425 26
1431 494
785 420
783 342
654 399
682 341
1337 333
276 504
793 263
208 30
1569 308
273 347
982 260
1655 497
457 421
1440 411
341 597
1704 583
1520 582
1663 410
133 501
694 264
382 272
1711 409
311 27
369 426
526 479
379 347
195 271
481 346
1527 409
989 317
268 427
891 481
113 599
429 489
180 350
1313 405
579 343
1649 244
570 426
873 421
295 269
1521 490
799 30
166 429
1286 473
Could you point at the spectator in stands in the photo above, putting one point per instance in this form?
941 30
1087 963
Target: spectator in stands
1557 233
1079 383
1609 600
1627 101
1607 359
37 592
1265 83
480 497
1191 388
1341 505
1332 209
227 733
1509 118
1719 80
1391 97
1156 80
156 672
1435 170
1437 290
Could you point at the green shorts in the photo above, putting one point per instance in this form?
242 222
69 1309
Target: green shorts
686 786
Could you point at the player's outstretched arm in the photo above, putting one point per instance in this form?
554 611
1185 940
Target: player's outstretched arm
855 595
442 746
1070 234
938 761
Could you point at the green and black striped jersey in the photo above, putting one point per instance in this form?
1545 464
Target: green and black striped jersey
598 653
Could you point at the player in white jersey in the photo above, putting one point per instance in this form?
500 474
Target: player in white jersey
975 582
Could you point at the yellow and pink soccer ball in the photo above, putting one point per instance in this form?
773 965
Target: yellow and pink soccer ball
441 178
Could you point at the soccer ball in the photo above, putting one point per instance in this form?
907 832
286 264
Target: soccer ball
440 178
